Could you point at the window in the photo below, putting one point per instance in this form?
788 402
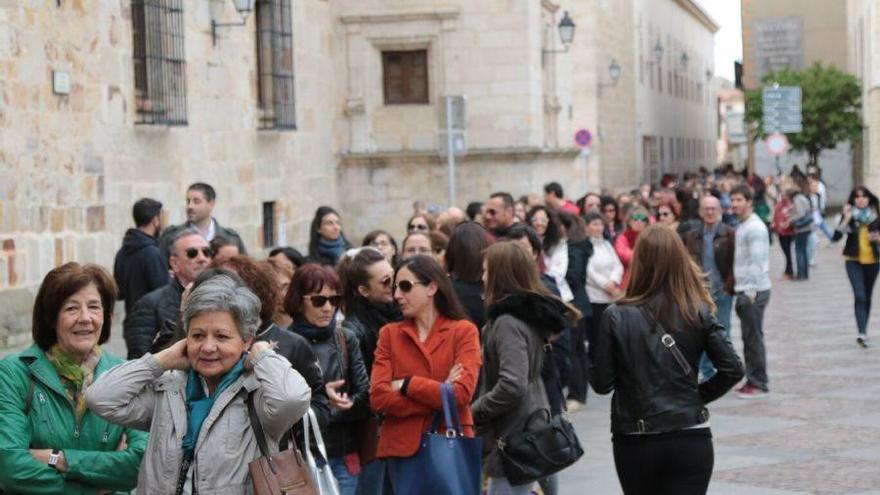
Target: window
159 61
275 65
405 77
268 223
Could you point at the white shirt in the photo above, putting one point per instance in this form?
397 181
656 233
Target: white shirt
604 266
556 262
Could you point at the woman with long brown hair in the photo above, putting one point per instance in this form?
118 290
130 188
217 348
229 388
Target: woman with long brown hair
646 350
523 317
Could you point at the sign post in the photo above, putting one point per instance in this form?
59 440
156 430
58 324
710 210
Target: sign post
453 139
782 109
777 145
583 138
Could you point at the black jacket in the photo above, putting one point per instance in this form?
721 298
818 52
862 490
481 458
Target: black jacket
851 229
340 436
472 298
297 350
578 256
139 267
166 238
365 321
652 393
148 315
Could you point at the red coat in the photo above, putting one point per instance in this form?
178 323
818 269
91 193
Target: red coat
399 354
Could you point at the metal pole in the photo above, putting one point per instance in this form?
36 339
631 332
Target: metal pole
778 168
450 152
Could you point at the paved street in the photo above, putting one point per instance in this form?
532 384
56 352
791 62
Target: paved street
817 433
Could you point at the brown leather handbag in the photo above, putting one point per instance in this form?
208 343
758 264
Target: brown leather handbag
284 473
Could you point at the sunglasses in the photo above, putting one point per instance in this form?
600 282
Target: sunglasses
491 211
320 301
860 196
664 214
192 253
405 286
641 218
386 281
420 226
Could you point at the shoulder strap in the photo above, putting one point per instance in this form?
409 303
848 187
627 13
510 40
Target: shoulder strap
257 426
669 342
342 344
29 399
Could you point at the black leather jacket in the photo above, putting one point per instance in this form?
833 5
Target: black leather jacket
147 317
652 393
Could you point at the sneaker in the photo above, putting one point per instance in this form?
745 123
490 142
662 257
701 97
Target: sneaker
573 406
862 340
751 392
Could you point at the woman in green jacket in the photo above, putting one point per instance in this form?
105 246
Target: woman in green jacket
50 443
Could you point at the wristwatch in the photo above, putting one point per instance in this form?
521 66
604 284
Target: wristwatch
53 458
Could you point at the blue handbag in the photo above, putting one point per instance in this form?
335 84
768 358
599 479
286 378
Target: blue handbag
447 463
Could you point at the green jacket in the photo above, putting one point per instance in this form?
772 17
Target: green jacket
89 448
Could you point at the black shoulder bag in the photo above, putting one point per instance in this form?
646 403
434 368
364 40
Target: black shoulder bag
669 343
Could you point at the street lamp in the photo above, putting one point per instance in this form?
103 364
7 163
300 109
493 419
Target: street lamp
566 34
658 52
614 72
244 8
684 60
708 75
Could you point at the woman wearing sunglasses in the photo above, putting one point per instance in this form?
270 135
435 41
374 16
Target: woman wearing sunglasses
312 300
637 220
421 222
666 216
433 344
861 224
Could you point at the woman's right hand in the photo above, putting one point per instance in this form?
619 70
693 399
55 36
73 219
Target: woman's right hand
847 211
174 357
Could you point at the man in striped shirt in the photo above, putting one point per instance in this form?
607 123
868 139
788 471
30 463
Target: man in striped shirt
751 272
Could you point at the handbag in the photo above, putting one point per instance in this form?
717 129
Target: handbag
533 454
284 473
447 463
366 430
322 475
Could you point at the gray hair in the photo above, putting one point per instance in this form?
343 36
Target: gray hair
223 293
180 235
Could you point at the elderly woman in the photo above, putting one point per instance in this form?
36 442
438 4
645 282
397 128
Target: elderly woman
192 396
49 441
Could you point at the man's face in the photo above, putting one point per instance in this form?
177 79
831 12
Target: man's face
740 205
198 208
710 210
591 203
496 215
189 257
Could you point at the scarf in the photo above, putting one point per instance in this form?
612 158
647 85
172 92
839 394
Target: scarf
198 405
864 216
75 376
376 316
313 333
332 249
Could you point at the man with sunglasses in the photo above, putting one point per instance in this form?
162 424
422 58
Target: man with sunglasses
190 255
498 215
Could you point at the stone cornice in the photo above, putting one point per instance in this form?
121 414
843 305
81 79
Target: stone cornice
524 154
439 14
693 9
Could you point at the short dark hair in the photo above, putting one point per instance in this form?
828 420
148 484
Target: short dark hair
465 252
506 198
427 270
473 209
592 216
145 210
554 188
523 231
57 286
218 242
309 278
290 253
205 189
744 191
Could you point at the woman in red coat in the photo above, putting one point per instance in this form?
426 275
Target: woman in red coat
434 344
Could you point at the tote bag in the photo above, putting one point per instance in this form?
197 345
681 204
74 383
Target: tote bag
322 475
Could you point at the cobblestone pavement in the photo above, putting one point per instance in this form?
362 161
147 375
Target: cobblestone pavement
819 430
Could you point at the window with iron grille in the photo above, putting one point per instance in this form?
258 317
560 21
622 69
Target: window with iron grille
405 77
268 223
159 61
275 65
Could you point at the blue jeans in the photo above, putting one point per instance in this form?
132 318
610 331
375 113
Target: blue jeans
500 486
862 278
348 482
372 480
724 304
801 255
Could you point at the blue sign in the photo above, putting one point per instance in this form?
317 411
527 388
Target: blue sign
583 138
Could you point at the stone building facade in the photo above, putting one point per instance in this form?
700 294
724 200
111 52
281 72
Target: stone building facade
84 133
863 27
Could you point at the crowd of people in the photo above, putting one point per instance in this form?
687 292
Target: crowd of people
516 305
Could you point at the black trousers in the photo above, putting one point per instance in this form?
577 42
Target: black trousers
577 380
785 243
676 463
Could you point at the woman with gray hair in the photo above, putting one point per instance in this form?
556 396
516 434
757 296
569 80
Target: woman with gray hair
191 397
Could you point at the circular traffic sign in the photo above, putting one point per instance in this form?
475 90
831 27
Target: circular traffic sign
583 138
776 143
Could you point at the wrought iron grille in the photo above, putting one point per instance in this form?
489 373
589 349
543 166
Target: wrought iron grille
275 64
159 61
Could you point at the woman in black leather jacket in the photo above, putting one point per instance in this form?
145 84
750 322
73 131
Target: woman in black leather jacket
647 350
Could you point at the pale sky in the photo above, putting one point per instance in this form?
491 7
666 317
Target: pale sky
728 39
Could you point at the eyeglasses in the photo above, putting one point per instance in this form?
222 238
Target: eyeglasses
405 286
665 214
639 217
320 301
192 253
418 226
540 221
